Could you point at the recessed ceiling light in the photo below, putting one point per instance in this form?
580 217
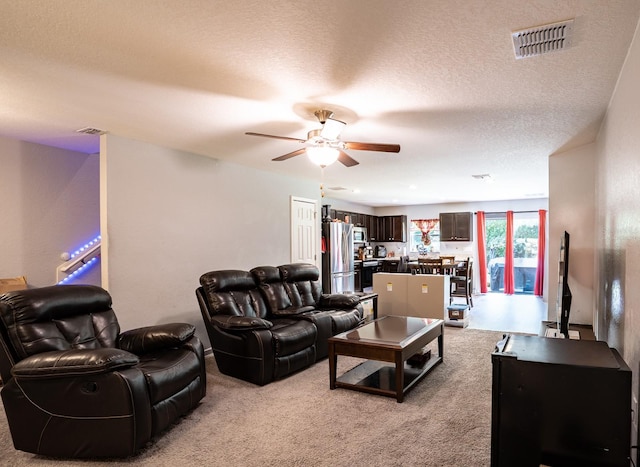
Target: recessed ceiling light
485 177
412 187
356 190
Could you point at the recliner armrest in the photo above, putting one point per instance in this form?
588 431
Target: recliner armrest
240 323
152 338
293 310
73 362
338 301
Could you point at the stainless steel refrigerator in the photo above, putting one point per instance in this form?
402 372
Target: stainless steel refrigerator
337 258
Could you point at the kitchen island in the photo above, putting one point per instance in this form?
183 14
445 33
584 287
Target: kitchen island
420 295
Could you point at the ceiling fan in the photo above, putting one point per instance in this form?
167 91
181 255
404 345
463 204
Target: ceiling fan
323 146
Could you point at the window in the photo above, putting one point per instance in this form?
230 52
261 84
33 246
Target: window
424 236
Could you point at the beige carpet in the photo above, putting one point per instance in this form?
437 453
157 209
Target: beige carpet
444 421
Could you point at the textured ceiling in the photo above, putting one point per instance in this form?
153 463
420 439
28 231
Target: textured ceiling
437 77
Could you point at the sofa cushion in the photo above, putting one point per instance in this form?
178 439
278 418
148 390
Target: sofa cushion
73 362
301 283
341 301
157 337
167 373
46 319
344 320
240 323
272 288
234 293
291 336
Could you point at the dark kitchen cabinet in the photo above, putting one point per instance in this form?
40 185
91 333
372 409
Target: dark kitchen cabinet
379 228
456 226
393 228
371 223
354 218
357 219
343 216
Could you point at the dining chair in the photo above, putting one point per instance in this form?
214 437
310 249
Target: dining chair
430 265
449 265
461 283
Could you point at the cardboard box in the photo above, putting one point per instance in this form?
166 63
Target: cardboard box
457 323
14 283
457 311
367 308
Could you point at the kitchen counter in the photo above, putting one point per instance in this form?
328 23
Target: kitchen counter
358 262
396 259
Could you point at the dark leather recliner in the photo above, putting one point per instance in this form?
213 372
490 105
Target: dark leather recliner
246 341
75 386
295 290
272 321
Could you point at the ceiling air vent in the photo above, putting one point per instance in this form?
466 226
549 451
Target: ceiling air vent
542 39
90 131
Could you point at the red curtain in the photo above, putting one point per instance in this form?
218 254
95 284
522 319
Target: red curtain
482 254
509 286
538 288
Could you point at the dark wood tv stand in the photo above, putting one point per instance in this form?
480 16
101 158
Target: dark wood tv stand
559 402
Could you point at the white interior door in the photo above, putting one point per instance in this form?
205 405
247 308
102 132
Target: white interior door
304 231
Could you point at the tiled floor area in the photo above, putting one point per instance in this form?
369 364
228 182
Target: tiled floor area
508 313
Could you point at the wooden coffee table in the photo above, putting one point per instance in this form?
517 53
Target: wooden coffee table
391 339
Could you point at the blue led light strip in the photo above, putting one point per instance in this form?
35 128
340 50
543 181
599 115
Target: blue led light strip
86 246
79 271
89 249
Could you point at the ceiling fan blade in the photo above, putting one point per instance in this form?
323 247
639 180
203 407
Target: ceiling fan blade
276 137
372 146
347 160
289 155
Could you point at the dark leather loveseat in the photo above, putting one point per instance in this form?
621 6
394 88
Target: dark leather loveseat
75 386
271 321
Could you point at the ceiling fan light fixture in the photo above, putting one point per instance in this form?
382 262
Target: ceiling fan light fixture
323 146
332 129
322 155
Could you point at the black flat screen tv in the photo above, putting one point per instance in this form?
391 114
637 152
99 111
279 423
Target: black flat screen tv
563 304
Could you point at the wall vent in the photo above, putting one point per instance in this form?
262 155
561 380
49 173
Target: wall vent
90 131
541 40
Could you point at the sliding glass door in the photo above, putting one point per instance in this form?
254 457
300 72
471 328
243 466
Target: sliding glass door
525 250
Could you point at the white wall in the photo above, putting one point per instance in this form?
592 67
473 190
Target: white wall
49 200
170 216
572 208
342 205
618 219
617 241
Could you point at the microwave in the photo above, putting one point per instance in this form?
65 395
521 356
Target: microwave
359 235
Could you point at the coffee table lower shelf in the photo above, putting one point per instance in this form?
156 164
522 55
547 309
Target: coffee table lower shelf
379 378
